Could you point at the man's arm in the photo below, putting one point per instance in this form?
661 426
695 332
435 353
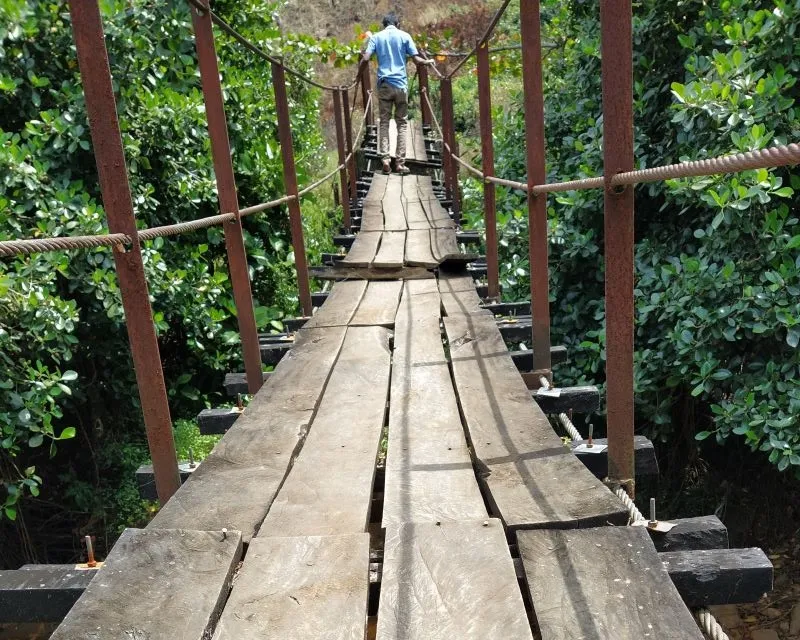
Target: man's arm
420 60
411 50
369 48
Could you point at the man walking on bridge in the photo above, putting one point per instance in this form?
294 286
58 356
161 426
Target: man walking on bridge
393 46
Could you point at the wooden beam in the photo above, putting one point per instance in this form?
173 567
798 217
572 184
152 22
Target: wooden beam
597 463
692 534
719 576
44 594
578 399
217 421
236 383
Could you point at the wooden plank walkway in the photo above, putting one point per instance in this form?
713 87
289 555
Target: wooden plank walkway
471 466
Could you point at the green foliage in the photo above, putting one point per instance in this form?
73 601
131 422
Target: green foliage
65 368
717 260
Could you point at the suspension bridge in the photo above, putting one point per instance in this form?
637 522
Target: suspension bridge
396 476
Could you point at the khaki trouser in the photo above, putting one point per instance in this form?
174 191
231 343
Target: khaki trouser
392 98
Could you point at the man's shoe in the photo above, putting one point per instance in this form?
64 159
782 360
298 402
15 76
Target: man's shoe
387 167
402 168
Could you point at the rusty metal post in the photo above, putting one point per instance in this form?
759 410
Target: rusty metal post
290 184
487 156
340 146
449 132
366 87
348 138
228 200
90 43
422 77
617 78
537 205
447 167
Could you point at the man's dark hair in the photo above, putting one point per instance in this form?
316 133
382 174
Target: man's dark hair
390 18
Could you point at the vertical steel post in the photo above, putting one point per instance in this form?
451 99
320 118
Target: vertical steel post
340 148
348 138
290 184
537 205
449 132
90 43
617 78
366 87
487 156
447 167
228 200
422 76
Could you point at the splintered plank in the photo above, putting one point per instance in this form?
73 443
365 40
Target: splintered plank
418 249
443 244
363 251
235 484
602 583
379 305
340 305
429 474
149 583
392 250
315 502
435 213
394 218
459 295
533 481
454 580
300 588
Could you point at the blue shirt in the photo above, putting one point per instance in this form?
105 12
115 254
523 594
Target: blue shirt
393 46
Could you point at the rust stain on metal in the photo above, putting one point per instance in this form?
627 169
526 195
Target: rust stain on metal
487 155
340 149
617 79
366 87
290 184
448 162
228 200
348 138
537 205
113 176
422 77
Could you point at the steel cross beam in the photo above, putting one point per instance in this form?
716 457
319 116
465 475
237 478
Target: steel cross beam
617 79
228 199
101 107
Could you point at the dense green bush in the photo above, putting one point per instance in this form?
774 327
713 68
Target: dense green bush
65 368
717 259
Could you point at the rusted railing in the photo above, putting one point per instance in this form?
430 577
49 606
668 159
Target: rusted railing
125 238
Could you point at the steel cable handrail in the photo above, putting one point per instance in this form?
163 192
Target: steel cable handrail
227 28
484 38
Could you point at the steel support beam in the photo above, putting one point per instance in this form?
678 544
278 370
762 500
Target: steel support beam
422 77
449 133
617 78
290 185
112 172
487 155
366 87
340 148
228 199
348 137
537 205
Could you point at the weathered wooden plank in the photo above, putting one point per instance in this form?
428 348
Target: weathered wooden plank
525 465
415 215
343 439
434 211
392 250
298 589
719 576
235 484
583 399
376 189
418 249
448 581
394 217
340 305
149 583
599 584
216 421
429 473
459 295
379 305
236 383
371 217
363 251
691 534
645 462
368 273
